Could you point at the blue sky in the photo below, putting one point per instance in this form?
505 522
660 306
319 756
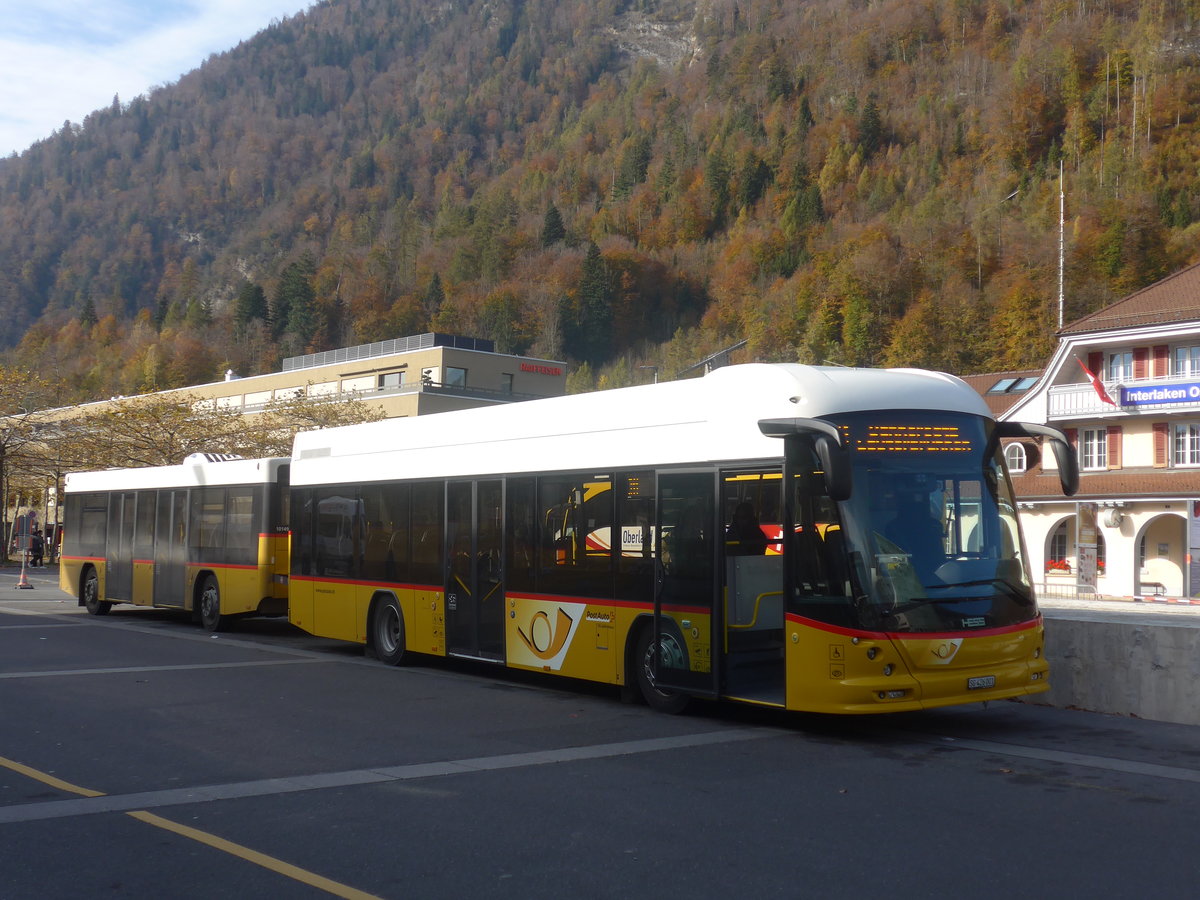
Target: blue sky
62 59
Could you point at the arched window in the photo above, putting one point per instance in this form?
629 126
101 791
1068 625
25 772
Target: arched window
1059 548
1014 457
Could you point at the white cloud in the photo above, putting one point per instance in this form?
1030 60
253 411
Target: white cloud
65 58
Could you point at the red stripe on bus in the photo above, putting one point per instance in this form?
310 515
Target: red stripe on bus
913 635
355 582
204 565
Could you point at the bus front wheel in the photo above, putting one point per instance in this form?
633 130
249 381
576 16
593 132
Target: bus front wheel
669 648
210 605
387 632
91 595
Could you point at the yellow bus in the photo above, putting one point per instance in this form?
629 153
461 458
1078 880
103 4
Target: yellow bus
807 538
209 536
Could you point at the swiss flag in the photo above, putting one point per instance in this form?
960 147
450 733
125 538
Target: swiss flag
1096 383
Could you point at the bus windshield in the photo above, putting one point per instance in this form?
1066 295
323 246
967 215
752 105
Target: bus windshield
930 535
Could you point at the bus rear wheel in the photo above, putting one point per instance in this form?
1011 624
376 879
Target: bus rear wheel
667 701
387 632
91 595
210 605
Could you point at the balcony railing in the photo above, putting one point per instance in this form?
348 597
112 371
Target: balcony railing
452 390
1072 401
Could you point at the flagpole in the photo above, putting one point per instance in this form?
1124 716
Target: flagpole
1062 202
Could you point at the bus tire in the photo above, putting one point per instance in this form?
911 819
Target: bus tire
666 701
91 594
209 600
387 631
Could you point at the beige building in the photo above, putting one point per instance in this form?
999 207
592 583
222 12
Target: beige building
1133 528
409 376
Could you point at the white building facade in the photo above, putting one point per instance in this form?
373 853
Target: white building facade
1132 528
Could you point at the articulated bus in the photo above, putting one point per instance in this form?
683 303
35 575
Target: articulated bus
807 538
209 536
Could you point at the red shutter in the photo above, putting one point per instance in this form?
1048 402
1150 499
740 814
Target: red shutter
1141 356
1114 446
1096 364
1161 435
1162 361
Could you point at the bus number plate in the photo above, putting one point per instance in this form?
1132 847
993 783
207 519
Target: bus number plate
983 681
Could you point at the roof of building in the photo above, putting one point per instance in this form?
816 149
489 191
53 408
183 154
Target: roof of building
1175 298
1120 484
1000 390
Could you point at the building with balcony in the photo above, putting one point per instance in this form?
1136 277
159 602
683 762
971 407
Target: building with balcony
409 376
1133 528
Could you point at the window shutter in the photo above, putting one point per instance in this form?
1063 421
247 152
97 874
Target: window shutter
1141 356
1162 361
1162 433
1096 364
1114 446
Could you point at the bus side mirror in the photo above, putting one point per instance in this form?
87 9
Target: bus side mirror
1064 455
827 441
836 463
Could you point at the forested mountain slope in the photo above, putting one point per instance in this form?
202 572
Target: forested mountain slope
615 182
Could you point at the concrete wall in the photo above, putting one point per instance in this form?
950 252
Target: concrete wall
1130 663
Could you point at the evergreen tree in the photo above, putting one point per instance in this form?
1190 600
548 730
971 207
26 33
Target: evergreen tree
294 307
251 303
870 127
553 229
434 297
87 315
594 337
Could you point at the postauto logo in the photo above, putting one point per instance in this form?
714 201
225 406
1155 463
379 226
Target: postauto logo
546 634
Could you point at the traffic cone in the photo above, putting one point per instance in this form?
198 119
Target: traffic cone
23 583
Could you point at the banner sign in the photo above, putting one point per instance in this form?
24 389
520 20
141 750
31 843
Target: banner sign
1151 395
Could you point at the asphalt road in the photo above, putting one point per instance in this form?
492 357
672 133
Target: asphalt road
142 757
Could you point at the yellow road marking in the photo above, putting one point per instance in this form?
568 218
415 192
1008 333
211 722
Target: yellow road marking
48 779
261 859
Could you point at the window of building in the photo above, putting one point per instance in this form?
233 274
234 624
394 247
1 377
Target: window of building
390 380
1120 366
1185 448
1059 548
455 377
1093 448
1002 386
1014 456
1101 554
1187 361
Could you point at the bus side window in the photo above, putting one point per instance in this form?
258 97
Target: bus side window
522 535
427 513
577 534
635 526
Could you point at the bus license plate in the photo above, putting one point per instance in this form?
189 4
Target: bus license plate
983 681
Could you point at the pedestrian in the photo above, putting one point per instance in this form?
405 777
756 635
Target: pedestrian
36 548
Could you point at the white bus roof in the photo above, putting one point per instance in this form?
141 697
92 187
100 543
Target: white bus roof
707 419
195 471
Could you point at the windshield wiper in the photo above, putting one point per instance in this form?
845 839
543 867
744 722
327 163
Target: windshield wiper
1009 588
1024 597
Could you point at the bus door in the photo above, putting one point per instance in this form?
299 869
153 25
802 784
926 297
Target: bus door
685 614
170 548
752 644
118 561
475 569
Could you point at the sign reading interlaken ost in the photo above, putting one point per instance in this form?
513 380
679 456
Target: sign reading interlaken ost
1152 395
